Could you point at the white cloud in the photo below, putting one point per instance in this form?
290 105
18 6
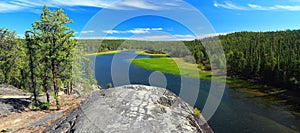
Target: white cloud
257 7
133 31
229 5
140 4
111 31
138 31
16 5
249 6
87 31
157 29
290 8
5 7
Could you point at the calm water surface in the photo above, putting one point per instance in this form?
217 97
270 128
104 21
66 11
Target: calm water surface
237 112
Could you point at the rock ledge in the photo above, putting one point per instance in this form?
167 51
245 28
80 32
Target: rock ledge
132 108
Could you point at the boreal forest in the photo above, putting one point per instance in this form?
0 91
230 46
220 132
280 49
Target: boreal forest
271 58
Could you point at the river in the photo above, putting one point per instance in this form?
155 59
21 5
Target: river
237 112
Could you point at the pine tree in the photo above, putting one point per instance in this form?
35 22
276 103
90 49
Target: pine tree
10 58
57 45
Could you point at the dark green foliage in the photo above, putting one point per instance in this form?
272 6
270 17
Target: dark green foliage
109 85
50 46
36 106
60 65
46 60
269 57
11 61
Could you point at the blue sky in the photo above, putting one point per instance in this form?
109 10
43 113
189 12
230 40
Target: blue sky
224 16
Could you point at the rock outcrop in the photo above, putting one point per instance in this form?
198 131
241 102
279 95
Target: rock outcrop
132 108
12 99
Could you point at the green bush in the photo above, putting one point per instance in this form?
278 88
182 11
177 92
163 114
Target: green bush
40 106
45 105
109 85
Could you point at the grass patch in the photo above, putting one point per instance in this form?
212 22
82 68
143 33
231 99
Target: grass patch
153 55
175 66
103 53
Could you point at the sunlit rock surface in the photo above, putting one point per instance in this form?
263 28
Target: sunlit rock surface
132 108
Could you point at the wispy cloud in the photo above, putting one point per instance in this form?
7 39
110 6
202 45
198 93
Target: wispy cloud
133 31
250 6
111 31
140 4
16 5
291 8
229 5
6 7
87 31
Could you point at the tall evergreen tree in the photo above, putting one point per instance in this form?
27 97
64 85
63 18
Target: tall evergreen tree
56 44
10 58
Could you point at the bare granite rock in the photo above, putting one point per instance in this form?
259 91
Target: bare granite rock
10 90
134 109
12 99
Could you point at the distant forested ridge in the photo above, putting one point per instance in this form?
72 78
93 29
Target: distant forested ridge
272 57
269 57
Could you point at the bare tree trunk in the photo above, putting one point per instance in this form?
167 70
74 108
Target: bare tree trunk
71 85
54 84
69 88
46 87
32 76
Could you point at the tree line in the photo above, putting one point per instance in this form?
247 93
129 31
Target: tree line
269 57
48 59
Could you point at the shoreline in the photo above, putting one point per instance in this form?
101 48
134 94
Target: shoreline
104 53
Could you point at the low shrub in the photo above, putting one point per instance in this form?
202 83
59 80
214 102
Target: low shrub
109 85
197 112
40 106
